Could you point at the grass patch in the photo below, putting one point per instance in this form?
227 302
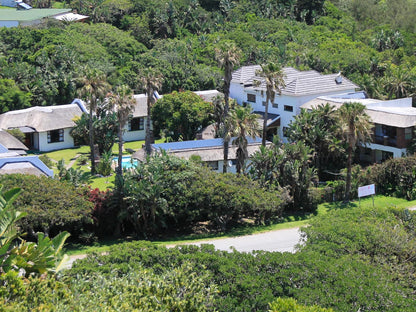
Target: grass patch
68 154
102 183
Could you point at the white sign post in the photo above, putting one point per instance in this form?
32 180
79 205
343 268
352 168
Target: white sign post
366 190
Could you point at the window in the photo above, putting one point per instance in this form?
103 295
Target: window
56 136
213 165
275 105
136 124
288 108
408 133
263 103
251 98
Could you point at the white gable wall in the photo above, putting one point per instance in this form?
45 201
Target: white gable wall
44 146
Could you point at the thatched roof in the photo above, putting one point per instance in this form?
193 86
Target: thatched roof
41 118
10 142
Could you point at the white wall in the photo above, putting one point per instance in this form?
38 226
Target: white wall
397 152
133 135
238 93
44 146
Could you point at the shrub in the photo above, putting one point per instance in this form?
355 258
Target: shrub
395 177
52 206
46 160
171 194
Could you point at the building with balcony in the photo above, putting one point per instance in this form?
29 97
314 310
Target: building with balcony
394 124
248 88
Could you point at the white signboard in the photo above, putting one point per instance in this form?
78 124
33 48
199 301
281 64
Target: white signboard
366 190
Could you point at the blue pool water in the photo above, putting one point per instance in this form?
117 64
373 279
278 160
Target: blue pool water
127 162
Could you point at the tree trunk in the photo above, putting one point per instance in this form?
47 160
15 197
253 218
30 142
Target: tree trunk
348 178
226 142
91 136
119 171
266 113
148 138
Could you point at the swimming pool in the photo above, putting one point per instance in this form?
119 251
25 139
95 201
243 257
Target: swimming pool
127 162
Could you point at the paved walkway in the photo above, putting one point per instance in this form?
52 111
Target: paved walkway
279 240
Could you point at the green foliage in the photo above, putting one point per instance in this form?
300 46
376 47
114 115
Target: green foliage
181 115
75 176
11 97
286 166
290 305
46 160
40 257
168 194
17 134
105 130
104 166
394 177
317 129
51 206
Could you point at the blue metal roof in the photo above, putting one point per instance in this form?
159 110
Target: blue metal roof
197 144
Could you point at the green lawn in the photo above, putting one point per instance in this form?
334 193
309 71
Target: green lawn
288 222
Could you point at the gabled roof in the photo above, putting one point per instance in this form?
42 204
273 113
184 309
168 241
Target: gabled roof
41 118
297 82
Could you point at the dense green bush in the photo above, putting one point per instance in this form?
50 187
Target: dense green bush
394 177
52 206
171 194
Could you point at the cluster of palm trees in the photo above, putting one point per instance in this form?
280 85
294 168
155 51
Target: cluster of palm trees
96 90
235 124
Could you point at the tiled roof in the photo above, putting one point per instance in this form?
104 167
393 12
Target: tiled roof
297 82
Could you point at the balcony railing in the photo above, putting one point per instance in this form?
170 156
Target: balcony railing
385 140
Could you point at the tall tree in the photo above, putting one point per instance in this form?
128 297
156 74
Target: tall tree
123 104
273 76
241 123
94 89
355 128
228 56
317 129
150 81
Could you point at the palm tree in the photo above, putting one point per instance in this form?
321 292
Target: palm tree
355 128
151 81
94 89
241 123
123 103
274 78
228 56
399 82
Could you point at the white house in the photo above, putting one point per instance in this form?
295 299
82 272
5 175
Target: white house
300 87
135 129
46 128
209 151
394 123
